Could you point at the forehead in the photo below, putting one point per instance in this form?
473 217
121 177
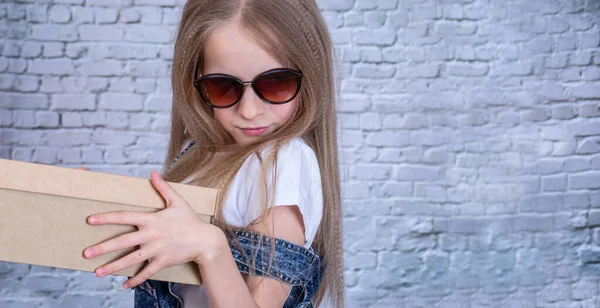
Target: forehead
230 49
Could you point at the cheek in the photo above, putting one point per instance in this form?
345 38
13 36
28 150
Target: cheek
223 116
284 112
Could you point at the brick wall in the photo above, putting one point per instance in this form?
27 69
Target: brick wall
470 139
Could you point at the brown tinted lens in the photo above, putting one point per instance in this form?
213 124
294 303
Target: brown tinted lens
277 87
220 91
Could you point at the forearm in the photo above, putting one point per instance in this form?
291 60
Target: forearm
223 282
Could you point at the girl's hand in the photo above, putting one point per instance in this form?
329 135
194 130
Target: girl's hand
171 236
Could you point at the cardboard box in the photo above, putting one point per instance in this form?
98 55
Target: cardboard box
43 212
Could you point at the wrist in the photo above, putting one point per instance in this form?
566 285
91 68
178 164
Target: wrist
214 246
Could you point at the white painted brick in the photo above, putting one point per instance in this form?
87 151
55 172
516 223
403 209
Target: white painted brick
149 34
51 67
106 15
83 14
26 83
66 33
31 50
101 68
17 66
71 119
121 101
130 15
73 101
60 14
465 128
23 118
54 50
46 119
101 32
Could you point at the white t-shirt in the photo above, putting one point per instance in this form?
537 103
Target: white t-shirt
298 182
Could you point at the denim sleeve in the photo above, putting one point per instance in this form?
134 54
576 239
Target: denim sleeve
292 264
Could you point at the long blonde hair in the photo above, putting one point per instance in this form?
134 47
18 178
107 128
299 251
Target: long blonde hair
294 33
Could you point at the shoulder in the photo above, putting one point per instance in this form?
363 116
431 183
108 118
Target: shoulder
298 153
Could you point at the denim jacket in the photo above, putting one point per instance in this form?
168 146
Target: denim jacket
292 264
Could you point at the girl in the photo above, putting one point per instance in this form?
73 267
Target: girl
253 115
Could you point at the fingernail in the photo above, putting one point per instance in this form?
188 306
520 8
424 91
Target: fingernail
126 285
93 219
89 253
101 271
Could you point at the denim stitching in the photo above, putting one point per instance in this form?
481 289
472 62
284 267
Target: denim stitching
251 238
181 154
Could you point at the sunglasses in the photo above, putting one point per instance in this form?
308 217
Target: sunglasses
276 86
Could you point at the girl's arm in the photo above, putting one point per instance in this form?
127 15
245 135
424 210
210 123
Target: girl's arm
170 237
222 280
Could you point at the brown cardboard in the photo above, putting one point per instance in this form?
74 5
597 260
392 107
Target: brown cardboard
44 210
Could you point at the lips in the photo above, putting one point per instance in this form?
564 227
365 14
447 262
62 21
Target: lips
255 131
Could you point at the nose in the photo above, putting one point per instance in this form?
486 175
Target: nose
250 105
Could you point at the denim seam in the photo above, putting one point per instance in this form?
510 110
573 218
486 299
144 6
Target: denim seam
292 279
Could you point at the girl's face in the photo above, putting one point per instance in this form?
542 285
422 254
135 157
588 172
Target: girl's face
232 51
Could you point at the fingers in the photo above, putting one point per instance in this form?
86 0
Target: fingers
81 168
117 243
149 270
136 257
165 190
120 218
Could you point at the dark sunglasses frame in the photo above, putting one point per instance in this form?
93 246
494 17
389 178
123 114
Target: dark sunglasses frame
249 83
